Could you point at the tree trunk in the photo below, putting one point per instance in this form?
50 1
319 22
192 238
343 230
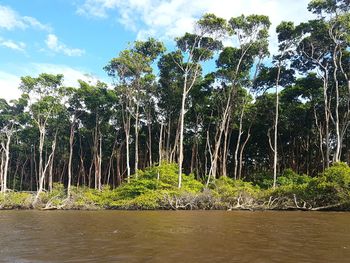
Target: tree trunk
127 137
241 155
326 112
168 140
42 132
240 132
150 139
99 158
160 144
6 149
119 180
136 139
275 152
2 168
226 149
337 120
181 131
43 173
71 140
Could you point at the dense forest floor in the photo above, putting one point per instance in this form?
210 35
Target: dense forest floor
156 188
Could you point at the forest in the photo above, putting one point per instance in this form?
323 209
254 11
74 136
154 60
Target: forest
219 122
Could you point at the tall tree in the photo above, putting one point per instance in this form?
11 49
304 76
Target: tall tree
196 48
44 104
234 65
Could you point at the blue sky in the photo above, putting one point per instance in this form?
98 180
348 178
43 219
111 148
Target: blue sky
77 38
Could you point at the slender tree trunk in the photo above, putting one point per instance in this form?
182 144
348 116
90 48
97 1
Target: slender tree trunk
51 171
168 140
149 126
241 155
215 154
71 140
2 168
275 150
49 164
42 132
326 112
6 149
127 145
181 131
225 149
175 149
136 139
99 158
193 155
119 180
211 158
110 165
337 119
44 170
240 132
160 144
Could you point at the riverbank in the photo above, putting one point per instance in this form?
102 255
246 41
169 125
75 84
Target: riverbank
156 189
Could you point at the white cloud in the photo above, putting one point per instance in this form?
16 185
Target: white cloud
10 19
168 19
9 82
9 86
71 75
18 46
55 45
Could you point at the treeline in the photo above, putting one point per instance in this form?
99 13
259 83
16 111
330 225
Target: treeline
251 118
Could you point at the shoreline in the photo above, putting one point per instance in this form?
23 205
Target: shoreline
74 204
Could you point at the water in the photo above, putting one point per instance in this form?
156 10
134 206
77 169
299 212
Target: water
173 236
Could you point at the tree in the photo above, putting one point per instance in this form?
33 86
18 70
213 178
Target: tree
132 69
234 66
195 48
10 121
44 104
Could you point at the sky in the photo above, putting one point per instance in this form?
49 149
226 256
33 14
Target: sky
77 38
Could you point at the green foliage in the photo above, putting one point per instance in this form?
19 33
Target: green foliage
15 200
289 177
330 188
148 200
156 188
232 192
147 191
262 179
339 173
55 197
168 178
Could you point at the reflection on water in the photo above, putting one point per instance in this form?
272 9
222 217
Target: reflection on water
173 236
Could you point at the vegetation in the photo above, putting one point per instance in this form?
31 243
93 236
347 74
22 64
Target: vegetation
257 131
157 188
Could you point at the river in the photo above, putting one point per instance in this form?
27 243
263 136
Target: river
174 236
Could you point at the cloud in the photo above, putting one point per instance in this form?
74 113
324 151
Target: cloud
9 86
9 82
10 19
71 75
18 46
168 19
55 45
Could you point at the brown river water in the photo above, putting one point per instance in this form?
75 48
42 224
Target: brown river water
174 236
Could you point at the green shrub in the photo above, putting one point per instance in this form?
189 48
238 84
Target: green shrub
232 192
55 197
262 179
289 177
16 200
339 173
168 178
